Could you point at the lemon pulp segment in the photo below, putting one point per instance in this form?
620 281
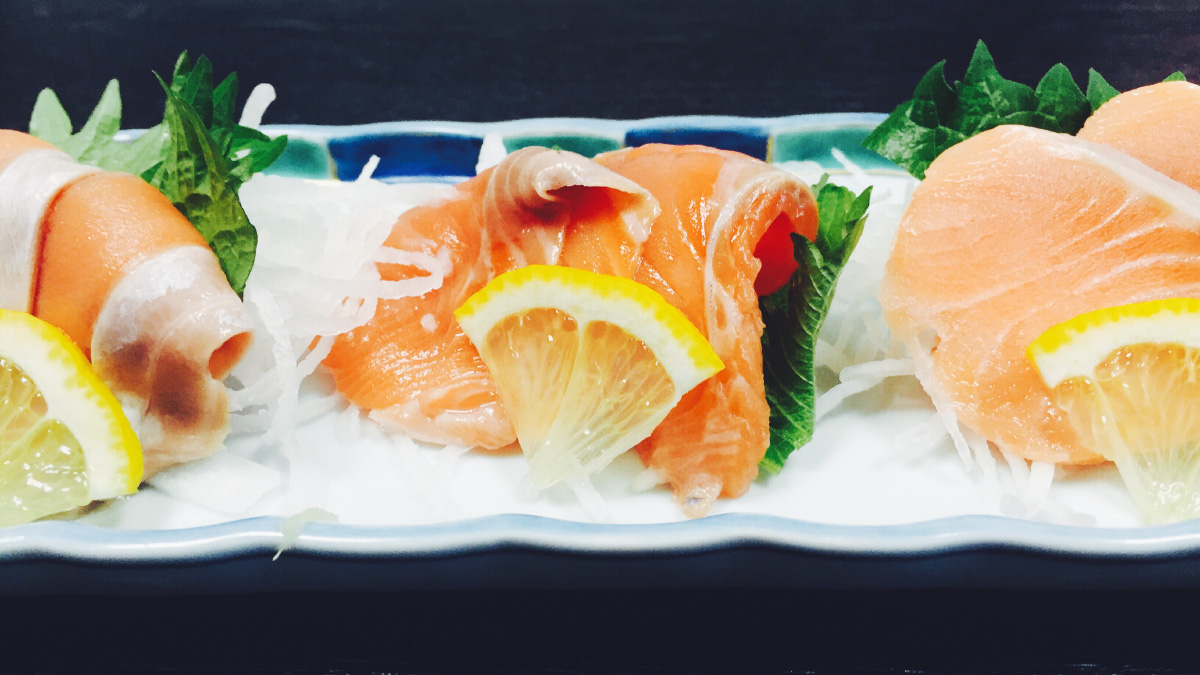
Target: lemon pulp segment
41 464
585 365
64 441
1126 378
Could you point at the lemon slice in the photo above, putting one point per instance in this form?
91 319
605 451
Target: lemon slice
1128 379
585 364
64 441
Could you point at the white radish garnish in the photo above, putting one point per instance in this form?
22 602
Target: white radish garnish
316 277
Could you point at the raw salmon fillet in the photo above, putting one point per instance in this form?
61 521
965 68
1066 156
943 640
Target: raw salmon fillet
13 144
39 171
1011 232
110 261
1158 124
412 365
716 207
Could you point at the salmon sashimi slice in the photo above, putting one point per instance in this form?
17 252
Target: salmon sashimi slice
13 144
1158 124
125 275
716 208
32 173
1011 232
412 365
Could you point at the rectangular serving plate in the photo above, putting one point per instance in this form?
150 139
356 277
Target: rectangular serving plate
524 551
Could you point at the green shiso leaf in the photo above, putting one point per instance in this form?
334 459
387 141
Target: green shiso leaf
1061 104
198 156
198 178
793 316
1098 90
940 115
913 135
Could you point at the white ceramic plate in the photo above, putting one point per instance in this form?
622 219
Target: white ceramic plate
858 507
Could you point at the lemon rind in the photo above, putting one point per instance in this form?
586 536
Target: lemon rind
1074 347
80 400
588 296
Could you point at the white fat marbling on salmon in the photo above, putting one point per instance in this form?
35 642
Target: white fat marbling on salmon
27 186
536 206
485 425
744 182
168 333
1013 231
528 184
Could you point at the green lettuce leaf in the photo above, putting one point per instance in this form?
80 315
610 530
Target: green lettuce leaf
95 143
198 156
793 316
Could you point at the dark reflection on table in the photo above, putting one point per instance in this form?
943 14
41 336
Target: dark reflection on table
715 631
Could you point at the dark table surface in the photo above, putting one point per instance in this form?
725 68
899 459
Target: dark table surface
357 61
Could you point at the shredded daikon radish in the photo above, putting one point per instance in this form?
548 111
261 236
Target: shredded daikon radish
368 169
981 453
491 152
859 336
260 98
859 378
294 525
855 342
589 498
427 476
1037 488
647 479
855 335
1019 469
224 482
316 277
349 424
854 331
1030 496
923 436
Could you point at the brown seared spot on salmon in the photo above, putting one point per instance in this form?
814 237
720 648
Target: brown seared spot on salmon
128 365
179 389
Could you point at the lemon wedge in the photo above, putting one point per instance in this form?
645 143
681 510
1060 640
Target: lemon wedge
585 364
64 441
1128 379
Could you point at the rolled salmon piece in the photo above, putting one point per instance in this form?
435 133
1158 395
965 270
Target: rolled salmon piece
411 365
1013 231
701 256
32 173
1158 124
108 259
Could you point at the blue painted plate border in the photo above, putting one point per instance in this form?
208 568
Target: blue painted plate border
446 151
519 551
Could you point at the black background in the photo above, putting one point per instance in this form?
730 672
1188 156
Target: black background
352 61
359 61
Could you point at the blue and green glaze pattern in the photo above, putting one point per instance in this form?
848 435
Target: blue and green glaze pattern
449 151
